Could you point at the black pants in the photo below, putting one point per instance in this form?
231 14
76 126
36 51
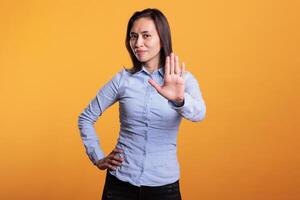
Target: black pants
115 189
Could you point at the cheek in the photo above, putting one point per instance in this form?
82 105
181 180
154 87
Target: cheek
131 44
155 45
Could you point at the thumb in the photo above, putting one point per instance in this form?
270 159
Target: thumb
154 84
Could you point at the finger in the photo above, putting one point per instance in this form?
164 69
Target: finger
111 155
116 150
111 167
183 69
167 66
113 162
119 159
176 69
172 63
155 85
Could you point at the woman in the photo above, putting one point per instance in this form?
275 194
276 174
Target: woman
153 97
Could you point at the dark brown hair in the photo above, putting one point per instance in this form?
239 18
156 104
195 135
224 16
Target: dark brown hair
163 29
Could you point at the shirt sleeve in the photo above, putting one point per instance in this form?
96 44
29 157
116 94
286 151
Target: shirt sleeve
104 98
193 108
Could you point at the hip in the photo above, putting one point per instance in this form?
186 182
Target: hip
118 189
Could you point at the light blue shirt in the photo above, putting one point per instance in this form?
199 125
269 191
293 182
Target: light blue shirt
148 125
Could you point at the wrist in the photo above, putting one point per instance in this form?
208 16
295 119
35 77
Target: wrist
99 161
179 102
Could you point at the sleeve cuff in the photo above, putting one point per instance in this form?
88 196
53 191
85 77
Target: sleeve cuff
174 104
185 104
96 156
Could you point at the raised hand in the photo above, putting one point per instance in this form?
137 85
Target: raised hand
173 86
112 161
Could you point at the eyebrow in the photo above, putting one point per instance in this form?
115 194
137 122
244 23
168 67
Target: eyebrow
136 33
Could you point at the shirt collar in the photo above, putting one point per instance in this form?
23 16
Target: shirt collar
160 71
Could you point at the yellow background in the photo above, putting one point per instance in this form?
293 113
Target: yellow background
55 55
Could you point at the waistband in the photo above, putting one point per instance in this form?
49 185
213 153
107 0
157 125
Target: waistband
111 179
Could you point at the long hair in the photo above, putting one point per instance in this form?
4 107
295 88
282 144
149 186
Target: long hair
163 29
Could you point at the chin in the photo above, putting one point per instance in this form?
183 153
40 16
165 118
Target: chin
142 59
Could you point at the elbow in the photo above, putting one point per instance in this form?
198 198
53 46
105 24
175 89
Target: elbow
83 121
86 119
88 116
80 121
201 114
199 117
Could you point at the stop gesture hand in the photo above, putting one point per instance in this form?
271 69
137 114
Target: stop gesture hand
173 86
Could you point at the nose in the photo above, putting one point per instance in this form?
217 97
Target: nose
139 42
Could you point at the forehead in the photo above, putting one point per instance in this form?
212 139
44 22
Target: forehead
142 25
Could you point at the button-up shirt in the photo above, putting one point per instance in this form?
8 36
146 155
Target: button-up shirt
148 125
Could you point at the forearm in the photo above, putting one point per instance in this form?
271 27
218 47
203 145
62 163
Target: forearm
90 139
190 108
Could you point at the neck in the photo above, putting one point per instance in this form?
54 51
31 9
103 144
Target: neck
151 66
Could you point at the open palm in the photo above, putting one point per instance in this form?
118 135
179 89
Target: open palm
173 86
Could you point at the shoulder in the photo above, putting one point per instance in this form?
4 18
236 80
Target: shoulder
123 71
121 76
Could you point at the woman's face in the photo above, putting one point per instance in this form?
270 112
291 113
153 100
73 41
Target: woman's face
145 41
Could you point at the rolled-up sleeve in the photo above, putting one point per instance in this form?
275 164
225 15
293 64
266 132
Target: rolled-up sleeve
104 98
193 108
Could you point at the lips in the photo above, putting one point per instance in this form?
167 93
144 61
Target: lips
139 51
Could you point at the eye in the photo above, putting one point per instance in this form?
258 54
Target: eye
146 36
132 36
